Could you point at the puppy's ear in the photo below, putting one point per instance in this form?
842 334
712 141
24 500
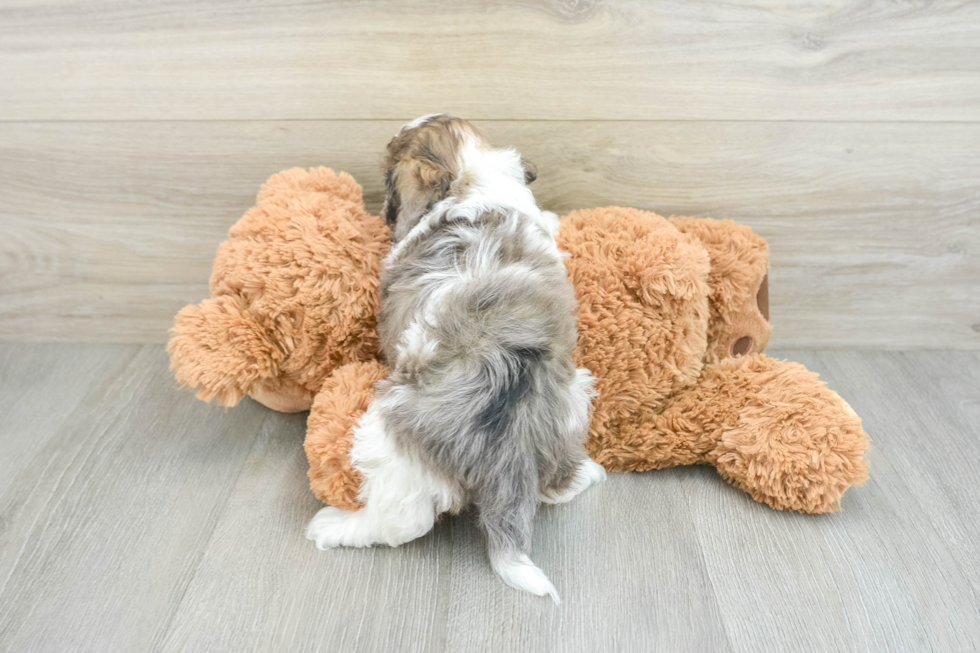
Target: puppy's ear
530 170
393 200
434 168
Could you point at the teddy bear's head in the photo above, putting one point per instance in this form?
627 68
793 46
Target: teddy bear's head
294 295
642 289
658 300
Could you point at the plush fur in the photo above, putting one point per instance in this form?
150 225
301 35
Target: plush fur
660 305
344 397
738 283
294 295
643 317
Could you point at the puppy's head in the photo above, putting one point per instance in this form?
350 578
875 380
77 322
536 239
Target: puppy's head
425 163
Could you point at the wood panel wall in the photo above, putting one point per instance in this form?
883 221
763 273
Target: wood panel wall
132 135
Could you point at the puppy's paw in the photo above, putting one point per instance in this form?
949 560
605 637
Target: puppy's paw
587 473
332 527
595 472
552 221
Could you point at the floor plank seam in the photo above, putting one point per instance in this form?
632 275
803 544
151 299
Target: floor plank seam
165 631
702 559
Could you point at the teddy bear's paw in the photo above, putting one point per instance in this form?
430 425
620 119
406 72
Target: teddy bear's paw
588 472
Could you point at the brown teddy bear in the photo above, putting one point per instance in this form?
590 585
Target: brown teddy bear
673 319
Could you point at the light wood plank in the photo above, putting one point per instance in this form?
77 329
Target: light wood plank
875 576
261 586
942 390
106 230
41 386
625 558
104 526
439 593
150 521
385 59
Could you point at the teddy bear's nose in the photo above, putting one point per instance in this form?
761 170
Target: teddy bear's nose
742 346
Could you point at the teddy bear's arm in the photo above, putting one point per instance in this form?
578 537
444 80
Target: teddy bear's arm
218 348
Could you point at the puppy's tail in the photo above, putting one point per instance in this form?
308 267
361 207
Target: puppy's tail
508 501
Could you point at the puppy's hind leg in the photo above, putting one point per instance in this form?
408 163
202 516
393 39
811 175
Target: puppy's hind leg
578 471
586 472
401 498
507 503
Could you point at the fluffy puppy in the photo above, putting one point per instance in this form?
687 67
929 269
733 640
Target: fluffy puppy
483 404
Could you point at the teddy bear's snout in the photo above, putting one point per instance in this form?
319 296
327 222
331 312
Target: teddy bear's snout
742 346
762 297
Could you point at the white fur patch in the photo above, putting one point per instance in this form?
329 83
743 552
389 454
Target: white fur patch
552 221
418 121
581 395
588 473
401 497
417 342
496 179
519 572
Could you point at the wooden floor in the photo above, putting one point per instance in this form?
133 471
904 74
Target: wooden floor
136 518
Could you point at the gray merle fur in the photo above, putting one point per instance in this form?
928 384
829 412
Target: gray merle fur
490 409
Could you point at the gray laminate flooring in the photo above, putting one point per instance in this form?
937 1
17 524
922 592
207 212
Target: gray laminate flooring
135 518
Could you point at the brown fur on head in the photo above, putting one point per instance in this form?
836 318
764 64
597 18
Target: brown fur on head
423 165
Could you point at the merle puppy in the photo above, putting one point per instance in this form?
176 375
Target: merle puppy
483 404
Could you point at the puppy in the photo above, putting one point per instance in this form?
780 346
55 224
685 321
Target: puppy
483 404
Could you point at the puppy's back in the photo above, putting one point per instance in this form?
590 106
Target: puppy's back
478 324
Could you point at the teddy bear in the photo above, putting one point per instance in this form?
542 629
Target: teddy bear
673 322
294 295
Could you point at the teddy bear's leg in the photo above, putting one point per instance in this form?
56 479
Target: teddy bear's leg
577 471
772 429
794 443
401 497
337 408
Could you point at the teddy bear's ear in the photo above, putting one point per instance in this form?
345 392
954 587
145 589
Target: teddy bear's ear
218 348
